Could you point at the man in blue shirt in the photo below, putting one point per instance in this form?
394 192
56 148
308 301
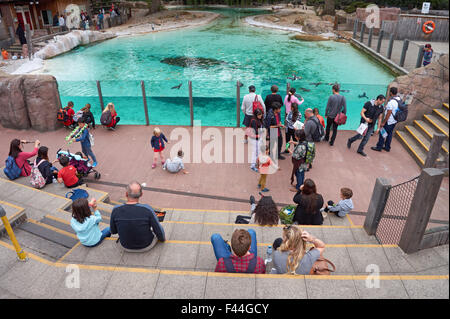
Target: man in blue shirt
137 224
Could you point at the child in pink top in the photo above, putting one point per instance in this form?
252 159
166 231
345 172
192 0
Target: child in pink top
291 98
16 151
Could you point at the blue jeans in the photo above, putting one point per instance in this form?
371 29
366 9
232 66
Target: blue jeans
223 249
105 233
386 143
88 152
300 175
364 138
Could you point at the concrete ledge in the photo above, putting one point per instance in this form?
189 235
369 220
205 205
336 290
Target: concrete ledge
435 237
386 62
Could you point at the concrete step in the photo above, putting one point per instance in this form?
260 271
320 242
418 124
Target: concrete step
421 140
445 105
15 215
442 113
428 130
49 233
413 147
437 122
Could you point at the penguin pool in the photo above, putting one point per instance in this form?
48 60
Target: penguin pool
213 57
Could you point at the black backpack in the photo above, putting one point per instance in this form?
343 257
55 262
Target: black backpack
106 118
402 111
319 133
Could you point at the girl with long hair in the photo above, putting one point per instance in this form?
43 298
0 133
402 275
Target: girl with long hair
85 224
265 213
293 116
88 116
290 254
46 168
291 98
309 205
115 119
253 132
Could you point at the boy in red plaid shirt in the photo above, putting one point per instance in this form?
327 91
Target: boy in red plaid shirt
244 258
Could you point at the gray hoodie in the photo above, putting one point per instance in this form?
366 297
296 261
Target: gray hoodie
343 207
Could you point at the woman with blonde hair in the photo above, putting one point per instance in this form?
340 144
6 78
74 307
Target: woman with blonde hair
114 118
290 254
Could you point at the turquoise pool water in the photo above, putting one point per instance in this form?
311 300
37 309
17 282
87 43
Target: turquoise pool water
252 55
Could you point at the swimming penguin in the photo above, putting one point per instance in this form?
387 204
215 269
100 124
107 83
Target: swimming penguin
316 83
295 77
177 86
241 84
305 90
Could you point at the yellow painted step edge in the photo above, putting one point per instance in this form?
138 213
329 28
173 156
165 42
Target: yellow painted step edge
435 125
445 105
438 112
426 148
428 134
410 148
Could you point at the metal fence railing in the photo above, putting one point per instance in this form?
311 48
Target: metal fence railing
393 219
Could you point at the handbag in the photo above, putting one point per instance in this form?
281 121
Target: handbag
340 119
362 128
320 267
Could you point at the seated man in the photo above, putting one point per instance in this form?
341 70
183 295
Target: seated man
244 258
137 225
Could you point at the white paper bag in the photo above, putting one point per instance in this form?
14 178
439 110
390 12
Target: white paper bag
362 128
298 125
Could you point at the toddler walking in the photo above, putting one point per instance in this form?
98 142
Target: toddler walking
157 143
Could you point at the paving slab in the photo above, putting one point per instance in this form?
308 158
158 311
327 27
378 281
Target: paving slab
269 234
219 217
128 285
186 232
338 221
180 287
92 285
22 276
233 287
107 253
361 236
188 216
425 259
361 257
387 289
340 257
225 231
146 259
5 294
338 236
77 254
443 252
330 289
427 289
8 259
397 260
206 260
44 286
178 256
280 288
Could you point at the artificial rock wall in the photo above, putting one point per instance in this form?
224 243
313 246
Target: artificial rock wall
430 86
29 102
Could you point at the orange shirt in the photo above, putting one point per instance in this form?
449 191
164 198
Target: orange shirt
321 120
5 55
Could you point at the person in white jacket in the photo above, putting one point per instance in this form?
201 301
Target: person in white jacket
344 206
247 107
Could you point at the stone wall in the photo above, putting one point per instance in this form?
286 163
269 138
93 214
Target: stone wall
29 102
430 86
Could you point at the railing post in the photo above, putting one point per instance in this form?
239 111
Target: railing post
380 39
144 96
434 150
100 96
363 28
20 253
377 204
238 104
420 211
420 56
191 103
404 49
288 87
29 41
355 28
369 42
390 46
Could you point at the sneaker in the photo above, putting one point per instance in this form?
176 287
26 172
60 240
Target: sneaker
259 185
265 190
252 200
286 152
324 215
349 144
362 153
386 150
254 169
375 149
293 189
331 143
153 165
94 164
281 157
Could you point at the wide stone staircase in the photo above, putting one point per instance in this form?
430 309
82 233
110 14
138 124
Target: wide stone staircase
183 266
417 137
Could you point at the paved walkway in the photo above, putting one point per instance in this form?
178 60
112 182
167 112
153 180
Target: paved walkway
125 155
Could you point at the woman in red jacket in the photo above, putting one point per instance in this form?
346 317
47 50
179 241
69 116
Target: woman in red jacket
114 118
16 151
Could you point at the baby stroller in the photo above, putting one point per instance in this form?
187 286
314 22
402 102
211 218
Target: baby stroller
84 168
